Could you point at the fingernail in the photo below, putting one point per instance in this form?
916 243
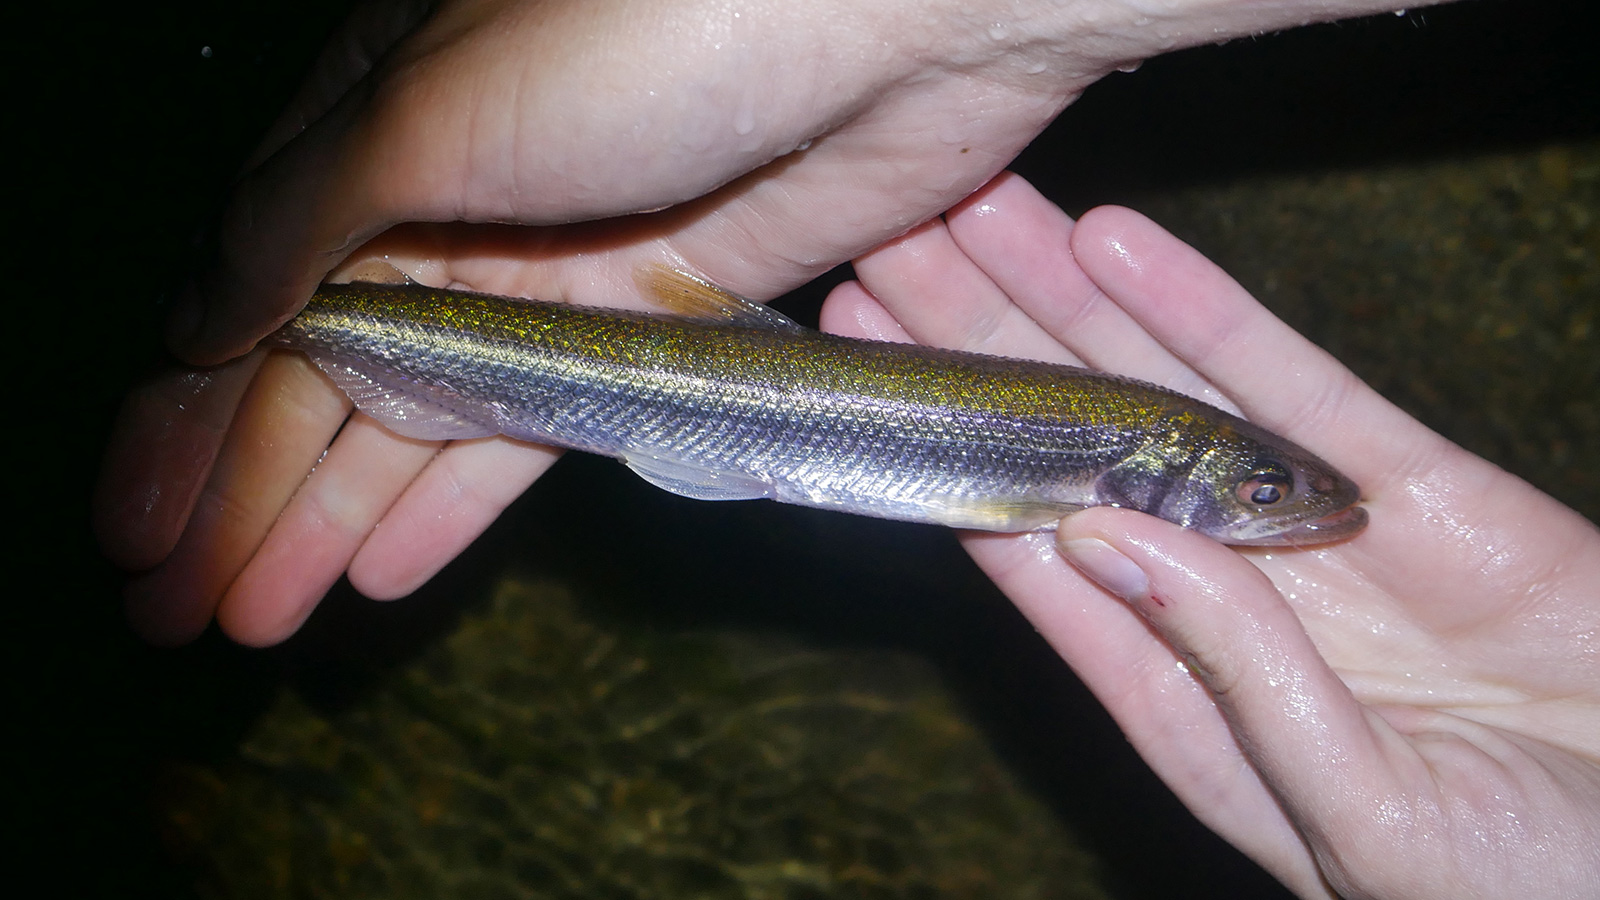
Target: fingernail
187 317
1109 568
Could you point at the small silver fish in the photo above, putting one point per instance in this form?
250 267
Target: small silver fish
727 399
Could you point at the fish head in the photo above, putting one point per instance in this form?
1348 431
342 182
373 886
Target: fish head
1252 487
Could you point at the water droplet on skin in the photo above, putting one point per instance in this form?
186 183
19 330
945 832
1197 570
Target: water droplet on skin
998 31
1036 68
1125 255
744 118
1131 67
953 132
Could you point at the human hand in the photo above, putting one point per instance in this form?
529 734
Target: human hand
755 144
536 113
1414 712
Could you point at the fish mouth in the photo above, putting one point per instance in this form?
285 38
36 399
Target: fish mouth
1337 526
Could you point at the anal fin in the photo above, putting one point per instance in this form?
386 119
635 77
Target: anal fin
1007 515
696 482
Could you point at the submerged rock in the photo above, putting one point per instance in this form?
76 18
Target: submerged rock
537 754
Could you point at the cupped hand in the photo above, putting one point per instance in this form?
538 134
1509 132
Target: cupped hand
1414 712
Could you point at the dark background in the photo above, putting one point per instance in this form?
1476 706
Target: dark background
125 138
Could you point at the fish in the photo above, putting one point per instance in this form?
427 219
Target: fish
719 398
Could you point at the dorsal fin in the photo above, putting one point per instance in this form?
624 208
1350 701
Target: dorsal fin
687 297
375 271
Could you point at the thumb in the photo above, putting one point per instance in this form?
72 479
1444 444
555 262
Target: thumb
1292 717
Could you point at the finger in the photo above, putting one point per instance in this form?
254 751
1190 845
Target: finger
943 299
1278 378
161 450
850 310
282 426
1022 242
1322 755
1110 647
313 541
456 497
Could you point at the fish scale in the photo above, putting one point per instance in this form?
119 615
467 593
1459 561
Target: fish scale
750 405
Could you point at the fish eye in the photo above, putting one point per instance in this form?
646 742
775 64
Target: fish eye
1265 488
